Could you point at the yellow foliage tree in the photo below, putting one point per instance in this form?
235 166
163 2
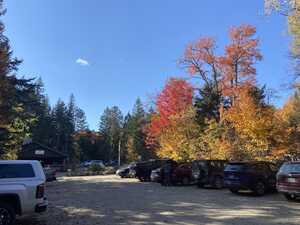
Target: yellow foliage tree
212 143
251 131
289 115
181 139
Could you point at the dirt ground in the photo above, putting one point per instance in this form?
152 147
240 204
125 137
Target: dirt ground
109 200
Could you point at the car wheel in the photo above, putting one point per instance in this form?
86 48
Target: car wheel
290 197
234 190
260 188
218 182
7 214
185 181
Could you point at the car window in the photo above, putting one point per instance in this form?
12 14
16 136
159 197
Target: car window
235 167
290 168
16 171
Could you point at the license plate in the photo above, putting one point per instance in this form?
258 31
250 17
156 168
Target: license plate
231 177
291 180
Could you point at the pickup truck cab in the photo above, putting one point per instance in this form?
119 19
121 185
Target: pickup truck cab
22 189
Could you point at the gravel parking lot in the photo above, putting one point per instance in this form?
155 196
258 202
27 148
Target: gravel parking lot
109 200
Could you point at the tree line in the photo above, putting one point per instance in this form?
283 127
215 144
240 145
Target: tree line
25 113
227 115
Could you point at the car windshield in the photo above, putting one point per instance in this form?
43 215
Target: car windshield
236 167
198 164
290 168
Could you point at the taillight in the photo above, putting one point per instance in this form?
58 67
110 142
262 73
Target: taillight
40 190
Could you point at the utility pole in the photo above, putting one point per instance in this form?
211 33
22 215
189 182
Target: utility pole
119 153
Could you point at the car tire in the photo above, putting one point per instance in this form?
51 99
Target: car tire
185 181
218 182
290 197
260 188
234 190
7 214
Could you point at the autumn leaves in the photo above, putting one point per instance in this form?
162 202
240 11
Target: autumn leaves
226 117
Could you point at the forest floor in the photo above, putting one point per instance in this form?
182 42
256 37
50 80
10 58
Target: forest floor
109 200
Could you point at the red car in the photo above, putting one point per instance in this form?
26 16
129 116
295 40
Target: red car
182 174
288 180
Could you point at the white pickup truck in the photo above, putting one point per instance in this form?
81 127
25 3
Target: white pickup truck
22 189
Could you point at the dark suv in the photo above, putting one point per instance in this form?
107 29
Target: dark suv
258 177
143 169
209 172
182 174
288 180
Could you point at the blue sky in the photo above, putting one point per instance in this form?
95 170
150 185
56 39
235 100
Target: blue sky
111 52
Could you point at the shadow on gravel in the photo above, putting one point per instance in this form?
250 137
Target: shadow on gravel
112 201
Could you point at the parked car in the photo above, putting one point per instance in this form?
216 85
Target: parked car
258 177
90 163
209 172
22 189
156 175
143 169
288 180
50 173
126 171
182 174
86 163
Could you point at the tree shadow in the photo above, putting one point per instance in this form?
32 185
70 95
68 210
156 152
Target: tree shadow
112 201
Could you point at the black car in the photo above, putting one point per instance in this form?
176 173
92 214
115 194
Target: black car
127 171
143 169
256 176
156 175
209 172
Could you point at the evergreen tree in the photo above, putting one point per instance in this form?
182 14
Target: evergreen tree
17 100
135 135
60 121
110 127
207 104
43 131
80 120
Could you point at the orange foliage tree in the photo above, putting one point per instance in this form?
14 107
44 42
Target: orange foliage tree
201 61
237 65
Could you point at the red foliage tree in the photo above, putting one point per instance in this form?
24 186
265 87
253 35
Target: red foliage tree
176 96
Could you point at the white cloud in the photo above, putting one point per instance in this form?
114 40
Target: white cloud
82 62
